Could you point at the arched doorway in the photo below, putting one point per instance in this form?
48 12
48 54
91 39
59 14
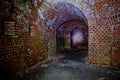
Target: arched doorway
72 39
63 20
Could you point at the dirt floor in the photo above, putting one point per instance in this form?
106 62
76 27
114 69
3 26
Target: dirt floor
66 68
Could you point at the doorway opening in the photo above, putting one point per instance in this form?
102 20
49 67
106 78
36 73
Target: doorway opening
67 31
72 40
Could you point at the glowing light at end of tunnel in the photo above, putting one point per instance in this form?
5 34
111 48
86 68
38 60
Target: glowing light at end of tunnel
78 38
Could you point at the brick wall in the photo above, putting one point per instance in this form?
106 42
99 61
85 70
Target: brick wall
103 20
22 38
25 39
102 49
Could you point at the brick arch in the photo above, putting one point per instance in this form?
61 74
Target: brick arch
62 12
66 29
58 14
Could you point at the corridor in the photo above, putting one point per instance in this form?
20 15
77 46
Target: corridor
59 39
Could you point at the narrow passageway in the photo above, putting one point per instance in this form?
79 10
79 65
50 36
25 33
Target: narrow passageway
72 41
70 61
59 40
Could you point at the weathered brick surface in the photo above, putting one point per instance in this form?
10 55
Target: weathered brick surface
26 38
103 33
22 44
102 15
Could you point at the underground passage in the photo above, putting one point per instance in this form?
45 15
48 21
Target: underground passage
59 40
72 39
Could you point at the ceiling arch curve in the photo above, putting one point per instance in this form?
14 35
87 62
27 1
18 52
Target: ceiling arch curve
62 12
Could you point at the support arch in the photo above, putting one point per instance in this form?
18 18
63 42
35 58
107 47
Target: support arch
62 14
